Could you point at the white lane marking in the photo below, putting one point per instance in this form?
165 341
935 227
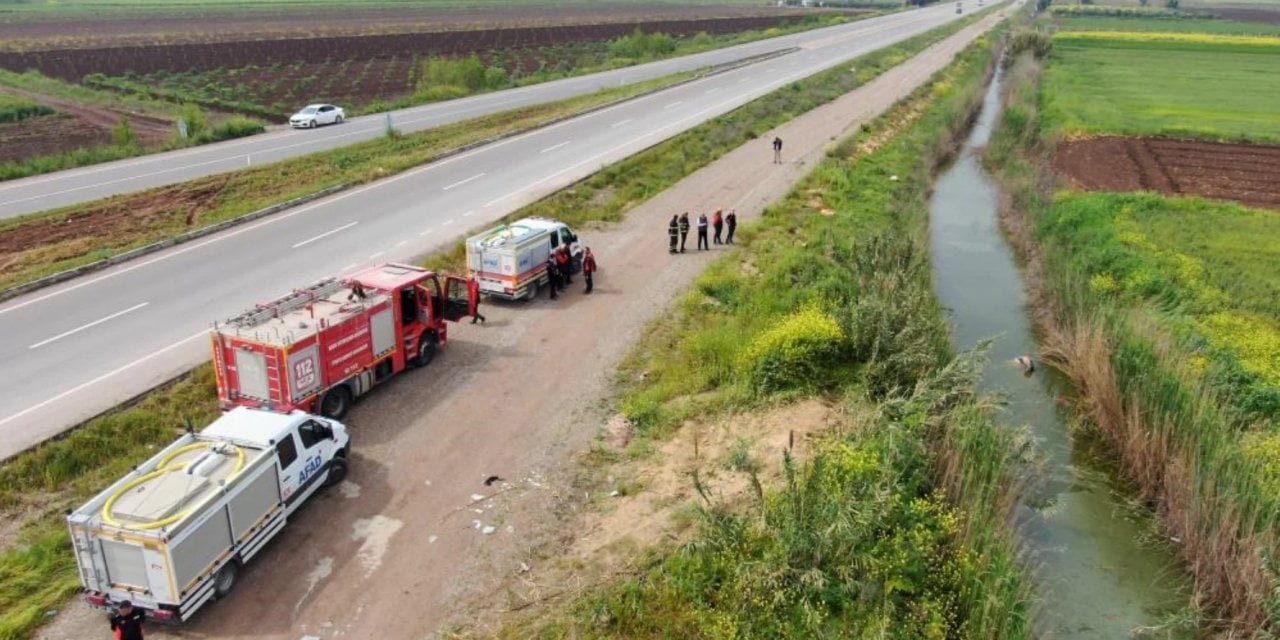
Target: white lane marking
620 123
348 268
711 90
401 243
744 80
556 146
447 222
674 104
87 326
326 234
204 333
374 256
468 213
425 233
464 181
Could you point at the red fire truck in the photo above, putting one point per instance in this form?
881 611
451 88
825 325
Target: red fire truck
319 348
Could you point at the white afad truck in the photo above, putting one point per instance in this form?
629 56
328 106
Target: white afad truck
510 261
173 533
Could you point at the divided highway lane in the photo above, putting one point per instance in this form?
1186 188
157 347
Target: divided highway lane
72 351
40 193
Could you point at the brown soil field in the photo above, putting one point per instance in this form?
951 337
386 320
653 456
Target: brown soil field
73 62
1245 173
47 135
1269 16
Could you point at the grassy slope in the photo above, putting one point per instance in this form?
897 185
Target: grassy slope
1162 311
1191 89
861 540
61 473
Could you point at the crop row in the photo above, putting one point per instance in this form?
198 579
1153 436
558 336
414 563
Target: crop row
74 64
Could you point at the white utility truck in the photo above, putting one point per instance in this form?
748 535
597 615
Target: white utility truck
173 533
510 260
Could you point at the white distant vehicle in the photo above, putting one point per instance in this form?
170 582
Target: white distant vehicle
314 115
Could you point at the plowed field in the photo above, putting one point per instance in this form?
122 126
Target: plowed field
1244 173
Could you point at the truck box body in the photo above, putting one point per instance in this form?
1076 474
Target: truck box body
160 535
287 353
510 261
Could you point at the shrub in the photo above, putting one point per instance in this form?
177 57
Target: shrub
468 74
795 354
233 128
122 134
640 45
1039 43
194 118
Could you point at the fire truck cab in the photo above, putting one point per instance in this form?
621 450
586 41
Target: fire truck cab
318 349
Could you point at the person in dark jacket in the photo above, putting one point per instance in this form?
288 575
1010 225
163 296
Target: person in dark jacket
127 622
702 232
588 267
673 231
777 150
717 221
731 221
684 229
553 275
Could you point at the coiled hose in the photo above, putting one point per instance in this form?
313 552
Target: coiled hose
165 466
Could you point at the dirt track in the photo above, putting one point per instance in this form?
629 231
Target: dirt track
1249 174
401 550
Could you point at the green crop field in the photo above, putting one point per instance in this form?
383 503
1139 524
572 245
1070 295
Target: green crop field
1066 22
1195 85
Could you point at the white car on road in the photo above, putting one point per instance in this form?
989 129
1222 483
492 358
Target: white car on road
314 115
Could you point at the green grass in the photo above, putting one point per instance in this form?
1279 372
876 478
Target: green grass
15 108
1163 313
1191 89
40 558
1182 25
891 530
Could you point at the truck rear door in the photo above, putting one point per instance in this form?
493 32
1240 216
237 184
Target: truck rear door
461 297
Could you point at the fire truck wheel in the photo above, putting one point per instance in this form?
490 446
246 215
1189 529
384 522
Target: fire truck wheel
426 350
335 402
337 472
225 581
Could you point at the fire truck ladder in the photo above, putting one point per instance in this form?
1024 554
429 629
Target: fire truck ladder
293 301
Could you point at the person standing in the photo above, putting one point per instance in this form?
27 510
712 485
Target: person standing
588 267
684 229
673 232
777 150
702 232
717 221
565 263
473 289
127 622
553 275
731 221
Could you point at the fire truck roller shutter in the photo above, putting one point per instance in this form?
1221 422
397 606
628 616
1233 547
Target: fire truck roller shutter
251 372
304 372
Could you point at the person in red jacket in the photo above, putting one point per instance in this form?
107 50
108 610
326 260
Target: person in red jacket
717 222
588 267
127 623
566 267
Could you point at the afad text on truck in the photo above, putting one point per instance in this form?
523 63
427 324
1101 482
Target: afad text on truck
318 349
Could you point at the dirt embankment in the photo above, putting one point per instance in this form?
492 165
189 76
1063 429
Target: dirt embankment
1244 173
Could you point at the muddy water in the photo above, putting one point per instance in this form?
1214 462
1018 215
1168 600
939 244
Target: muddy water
1096 577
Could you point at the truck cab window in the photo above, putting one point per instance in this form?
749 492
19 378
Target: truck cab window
408 305
312 433
287 451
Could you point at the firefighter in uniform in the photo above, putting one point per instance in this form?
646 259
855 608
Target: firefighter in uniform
127 622
553 275
588 267
673 233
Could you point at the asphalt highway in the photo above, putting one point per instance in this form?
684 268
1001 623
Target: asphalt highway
41 193
72 351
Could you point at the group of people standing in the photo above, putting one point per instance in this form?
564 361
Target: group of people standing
678 229
560 269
